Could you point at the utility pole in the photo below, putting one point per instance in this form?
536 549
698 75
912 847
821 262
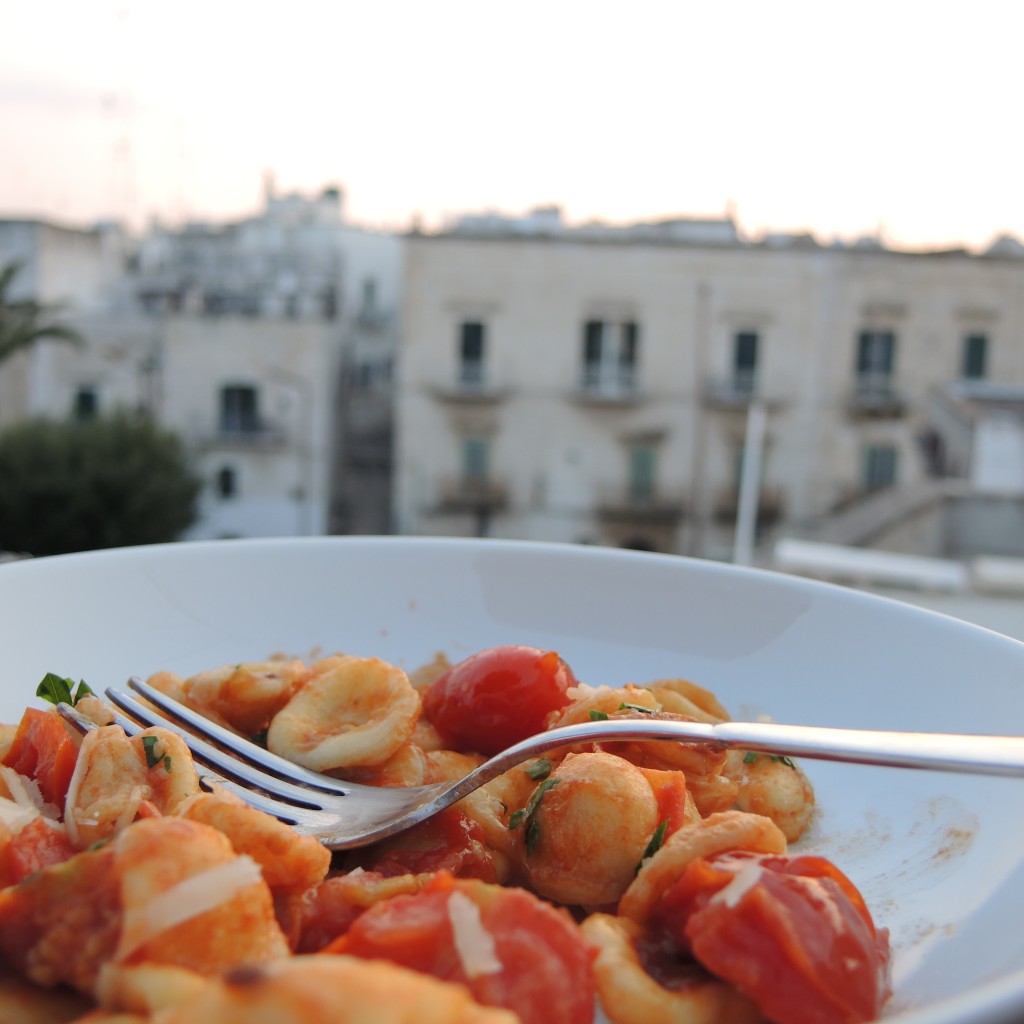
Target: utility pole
750 485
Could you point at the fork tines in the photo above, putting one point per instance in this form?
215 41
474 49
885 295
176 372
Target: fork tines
219 747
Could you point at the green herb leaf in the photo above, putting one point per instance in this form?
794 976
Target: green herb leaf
167 764
636 707
149 745
654 845
540 769
598 716
785 760
62 690
749 757
526 813
532 835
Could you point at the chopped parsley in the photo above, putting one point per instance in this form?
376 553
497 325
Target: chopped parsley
750 757
636 707
152 757
654 845
532 835
540 769
62 690
598 716
526 814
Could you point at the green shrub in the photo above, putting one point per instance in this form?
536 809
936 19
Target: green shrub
106 482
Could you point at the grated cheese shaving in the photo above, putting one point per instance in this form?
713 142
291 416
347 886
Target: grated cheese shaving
473 942
131 807
15 816
742 882
26 792
189 898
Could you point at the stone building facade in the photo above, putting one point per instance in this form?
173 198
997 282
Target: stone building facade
591 385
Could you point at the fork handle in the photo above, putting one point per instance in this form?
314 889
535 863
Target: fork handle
949 752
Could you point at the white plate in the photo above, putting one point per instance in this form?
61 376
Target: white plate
937 856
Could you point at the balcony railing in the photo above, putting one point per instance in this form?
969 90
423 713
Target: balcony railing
471 384
640 507
734 391
876 395
258 435
473 494
609 384
770 505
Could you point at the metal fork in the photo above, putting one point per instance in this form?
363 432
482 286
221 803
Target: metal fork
344 815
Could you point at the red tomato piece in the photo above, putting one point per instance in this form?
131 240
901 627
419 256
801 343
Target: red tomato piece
36 846
42 750
546 971
791 933
669 790
316 917
497 697
449 841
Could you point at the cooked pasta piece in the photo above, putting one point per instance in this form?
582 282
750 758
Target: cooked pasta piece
631 994
289 862
248 695
332 990
728 830
775 787
588 832
357 713
115 775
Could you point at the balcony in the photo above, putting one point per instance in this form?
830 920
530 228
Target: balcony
472 386
473 494
626 507
257 436
770 505
736 391
874 396
614 386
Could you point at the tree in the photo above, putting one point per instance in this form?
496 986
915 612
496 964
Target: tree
23 322
107 482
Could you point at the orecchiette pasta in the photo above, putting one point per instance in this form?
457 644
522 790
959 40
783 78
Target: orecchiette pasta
569 881
357 713
590 828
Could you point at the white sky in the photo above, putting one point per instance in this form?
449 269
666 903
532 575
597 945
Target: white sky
825 115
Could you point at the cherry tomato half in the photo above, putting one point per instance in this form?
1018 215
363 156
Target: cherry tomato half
497 697
791 933
546 965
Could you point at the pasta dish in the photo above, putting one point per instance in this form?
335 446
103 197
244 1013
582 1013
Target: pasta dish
653 880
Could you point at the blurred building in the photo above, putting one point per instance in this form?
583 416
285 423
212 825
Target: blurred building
262 343
521 377
594 384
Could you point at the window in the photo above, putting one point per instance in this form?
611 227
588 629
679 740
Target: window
227 482
876 352
879 466
475 459
642 465
86 404
609 356
744 361
239 409
369 298
471 353
974 353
